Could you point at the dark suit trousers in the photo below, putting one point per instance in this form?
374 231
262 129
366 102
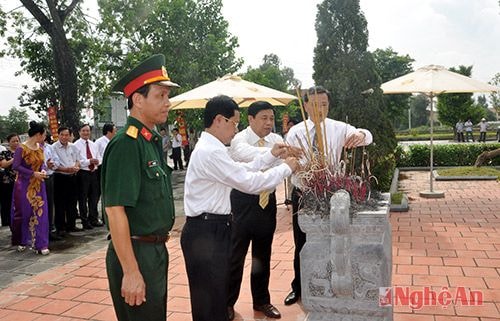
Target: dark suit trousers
253 224
88 194
299 239
6 202
65 199
176 156
206 248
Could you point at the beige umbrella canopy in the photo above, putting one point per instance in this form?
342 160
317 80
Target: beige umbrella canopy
242 91
433 80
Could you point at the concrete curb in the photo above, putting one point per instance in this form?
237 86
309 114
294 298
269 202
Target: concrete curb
404 206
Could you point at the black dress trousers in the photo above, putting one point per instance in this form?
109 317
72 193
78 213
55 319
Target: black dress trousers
299 239
251 223
205 243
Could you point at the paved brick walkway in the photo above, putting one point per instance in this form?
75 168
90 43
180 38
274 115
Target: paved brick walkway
449 242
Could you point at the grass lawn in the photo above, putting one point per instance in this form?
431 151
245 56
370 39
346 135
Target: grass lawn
396 198
470 171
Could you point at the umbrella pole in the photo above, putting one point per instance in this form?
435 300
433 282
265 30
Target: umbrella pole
432 144
431 193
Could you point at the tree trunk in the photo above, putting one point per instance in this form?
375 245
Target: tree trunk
64 60
485 156
65 70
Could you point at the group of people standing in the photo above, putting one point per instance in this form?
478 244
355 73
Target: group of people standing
42 183
174 147
229 198
467 127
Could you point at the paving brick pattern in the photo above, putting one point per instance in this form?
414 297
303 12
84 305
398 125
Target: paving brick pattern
448 242
451 242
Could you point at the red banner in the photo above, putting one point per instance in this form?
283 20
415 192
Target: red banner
53 125
181 124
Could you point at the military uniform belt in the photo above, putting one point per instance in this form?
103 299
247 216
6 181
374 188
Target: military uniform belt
151 238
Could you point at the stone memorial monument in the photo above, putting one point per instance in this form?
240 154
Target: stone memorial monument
347 258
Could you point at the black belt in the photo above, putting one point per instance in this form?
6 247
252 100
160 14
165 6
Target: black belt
252 197
212 217
151 238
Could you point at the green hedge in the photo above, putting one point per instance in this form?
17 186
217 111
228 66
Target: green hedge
427 136
444 155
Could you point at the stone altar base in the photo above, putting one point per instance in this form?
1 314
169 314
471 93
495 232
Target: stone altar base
345 260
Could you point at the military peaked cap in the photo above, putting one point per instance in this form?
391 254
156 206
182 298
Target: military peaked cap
151 70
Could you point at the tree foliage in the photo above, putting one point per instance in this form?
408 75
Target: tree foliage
46 46
15 122
495 96
193 35
272 74
419 113
3 23
454 107
344 66
389 65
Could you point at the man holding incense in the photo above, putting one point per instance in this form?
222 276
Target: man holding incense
328 137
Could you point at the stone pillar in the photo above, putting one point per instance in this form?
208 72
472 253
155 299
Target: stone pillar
345 260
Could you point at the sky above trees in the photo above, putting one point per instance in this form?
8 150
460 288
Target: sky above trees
443 32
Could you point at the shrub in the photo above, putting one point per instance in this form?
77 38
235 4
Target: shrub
444 155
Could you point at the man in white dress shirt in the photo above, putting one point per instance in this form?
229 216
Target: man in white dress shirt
65 183
254 215
108 132
88 184
339 135
176 149
51 162
210 177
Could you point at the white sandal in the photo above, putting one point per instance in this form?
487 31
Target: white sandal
44 252
21 248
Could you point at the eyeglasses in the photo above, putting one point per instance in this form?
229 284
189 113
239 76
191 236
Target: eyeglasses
235 123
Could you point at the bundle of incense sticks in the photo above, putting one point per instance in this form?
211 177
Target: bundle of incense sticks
321 174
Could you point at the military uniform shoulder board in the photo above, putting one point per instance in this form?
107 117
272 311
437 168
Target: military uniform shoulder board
132 131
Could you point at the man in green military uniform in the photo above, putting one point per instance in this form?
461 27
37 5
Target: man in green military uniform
137 196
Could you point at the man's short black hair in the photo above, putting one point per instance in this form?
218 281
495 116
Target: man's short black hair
219 105
83 125
317 90
144 90
257 106
108 128
63 128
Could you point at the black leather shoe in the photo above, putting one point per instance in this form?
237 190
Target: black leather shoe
269 310
96 224
87 226
292 298
230 313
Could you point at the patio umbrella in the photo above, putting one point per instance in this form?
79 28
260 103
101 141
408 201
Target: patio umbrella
242 91
433 80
